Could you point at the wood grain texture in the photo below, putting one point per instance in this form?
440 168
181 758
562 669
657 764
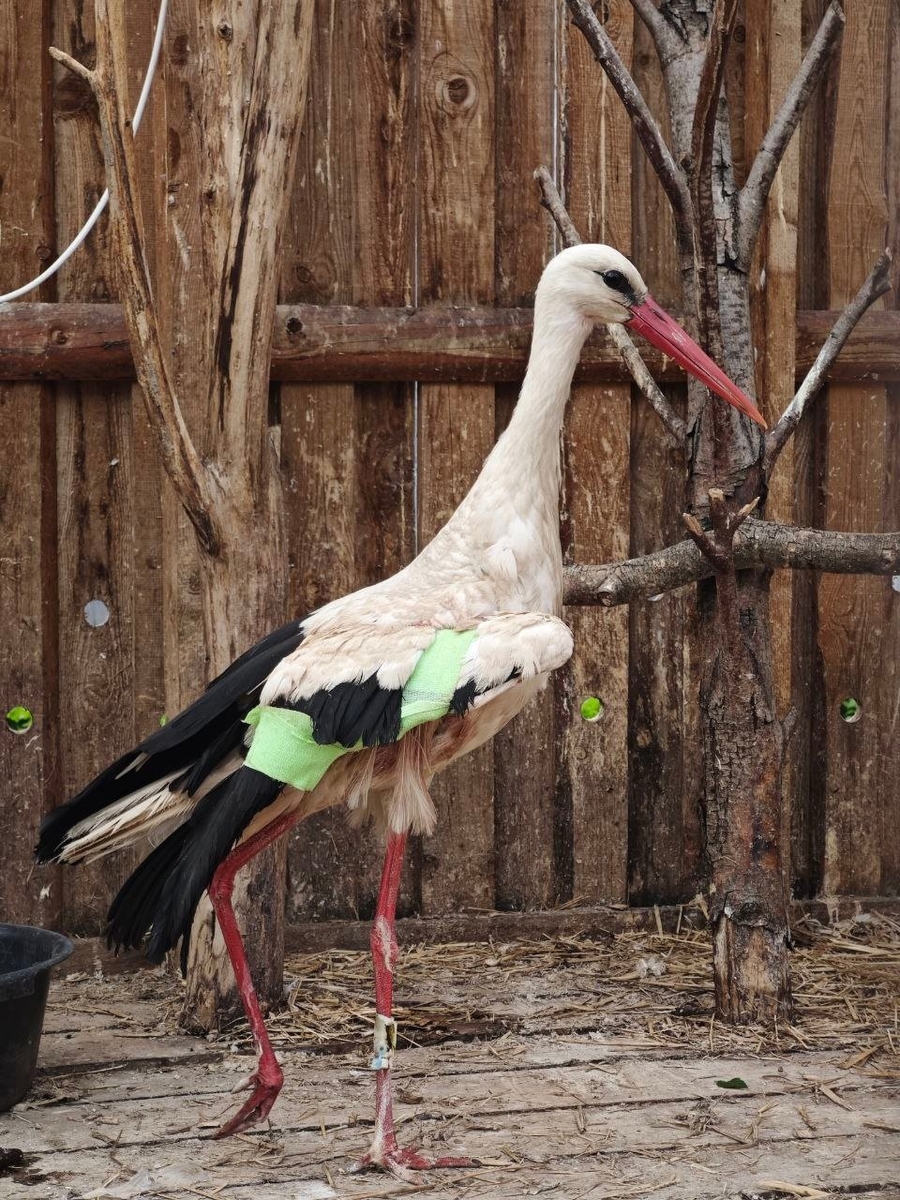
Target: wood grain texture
456 99
887 774
27 490
344 343
663 834
95 500
594 755
772 56
347 452
524 752
808 821
384 157
856 615
27 486
319 443
147 476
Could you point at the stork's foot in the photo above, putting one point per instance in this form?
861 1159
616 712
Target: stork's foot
266 1082
402 1162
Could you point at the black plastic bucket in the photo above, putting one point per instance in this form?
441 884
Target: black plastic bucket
27 955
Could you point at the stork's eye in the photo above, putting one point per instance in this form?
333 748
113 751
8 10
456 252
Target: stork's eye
614 279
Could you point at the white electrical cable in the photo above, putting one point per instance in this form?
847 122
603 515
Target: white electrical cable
104 199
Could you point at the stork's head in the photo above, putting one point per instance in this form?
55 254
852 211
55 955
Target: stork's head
599 285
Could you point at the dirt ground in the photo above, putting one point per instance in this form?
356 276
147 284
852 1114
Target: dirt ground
568 1067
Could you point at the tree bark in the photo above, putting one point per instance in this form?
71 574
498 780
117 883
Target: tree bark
202 350
247 75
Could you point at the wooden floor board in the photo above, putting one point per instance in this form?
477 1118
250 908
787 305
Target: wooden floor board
119 1102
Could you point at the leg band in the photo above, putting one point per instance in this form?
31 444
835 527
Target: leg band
385 1042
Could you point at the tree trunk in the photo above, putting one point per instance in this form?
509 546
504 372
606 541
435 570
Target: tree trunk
235 99
743 741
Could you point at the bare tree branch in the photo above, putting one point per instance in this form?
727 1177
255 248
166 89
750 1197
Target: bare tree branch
670 174
552 201
179 456
875 285
703 133
665 35
752 200
717 556
756 544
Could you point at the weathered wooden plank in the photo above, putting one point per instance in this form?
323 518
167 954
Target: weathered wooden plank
327 343
147 482
456 88
856 615
382 65
808 819
890 853
599 921
772 55
555 1082
575 1163
516 1117
27 500
524 752
663 834
593 769
95 500
319 440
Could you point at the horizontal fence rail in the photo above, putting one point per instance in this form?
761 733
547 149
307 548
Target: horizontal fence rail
345 343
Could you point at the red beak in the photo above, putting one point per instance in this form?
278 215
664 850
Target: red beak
667 335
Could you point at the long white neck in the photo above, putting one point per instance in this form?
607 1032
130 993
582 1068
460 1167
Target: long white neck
510 518
524 466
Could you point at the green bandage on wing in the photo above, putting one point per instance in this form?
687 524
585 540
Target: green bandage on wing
283 745
435 678
284 748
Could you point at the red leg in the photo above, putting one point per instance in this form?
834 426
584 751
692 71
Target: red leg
267 1079
384 1151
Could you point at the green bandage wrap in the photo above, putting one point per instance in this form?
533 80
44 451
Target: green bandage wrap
284 748
283 745
435 678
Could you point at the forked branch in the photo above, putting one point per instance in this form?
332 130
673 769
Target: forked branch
752 201
552 201
178 453
703 134
670 174
877 283
665 34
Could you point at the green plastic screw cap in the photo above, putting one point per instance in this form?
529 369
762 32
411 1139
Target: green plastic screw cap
19 719
591 708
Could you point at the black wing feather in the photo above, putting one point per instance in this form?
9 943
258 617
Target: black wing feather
162 894
352 712
215 719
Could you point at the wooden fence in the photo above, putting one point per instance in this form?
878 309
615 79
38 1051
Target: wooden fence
414 187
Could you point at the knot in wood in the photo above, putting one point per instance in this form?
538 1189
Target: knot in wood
73 96
180 49
457 94
225 31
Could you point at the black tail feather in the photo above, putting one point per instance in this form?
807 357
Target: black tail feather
202 734
162 894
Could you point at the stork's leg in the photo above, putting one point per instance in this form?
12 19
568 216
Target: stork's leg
384 1151
267 1079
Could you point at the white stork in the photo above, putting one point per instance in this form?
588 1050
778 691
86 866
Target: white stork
364 700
